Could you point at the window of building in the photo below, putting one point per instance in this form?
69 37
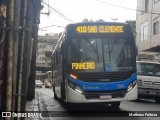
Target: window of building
155 1
44 46
43 58
39 46
146 5
156 26
144 31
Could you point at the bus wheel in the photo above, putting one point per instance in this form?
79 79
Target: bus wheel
137 100
63 91
157 100
115 105
55 96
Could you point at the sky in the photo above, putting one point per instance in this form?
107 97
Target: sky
63 12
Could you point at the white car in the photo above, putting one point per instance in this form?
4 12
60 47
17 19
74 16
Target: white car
47 83
38 83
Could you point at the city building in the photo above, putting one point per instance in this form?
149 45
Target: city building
45 47
148 27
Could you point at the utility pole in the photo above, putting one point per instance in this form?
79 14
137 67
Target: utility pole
15 58
25 55
9 54
32 76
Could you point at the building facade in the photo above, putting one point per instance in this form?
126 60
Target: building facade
147 25
45 46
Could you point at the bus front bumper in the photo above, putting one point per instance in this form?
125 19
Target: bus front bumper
73 96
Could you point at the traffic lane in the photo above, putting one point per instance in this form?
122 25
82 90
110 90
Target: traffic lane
140 105
97 110
55 107
143 105
47 101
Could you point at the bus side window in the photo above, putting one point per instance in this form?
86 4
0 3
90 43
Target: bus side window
150 73
62 49
54 60
158 73
59 59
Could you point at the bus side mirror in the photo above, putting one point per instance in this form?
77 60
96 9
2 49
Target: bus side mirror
62 50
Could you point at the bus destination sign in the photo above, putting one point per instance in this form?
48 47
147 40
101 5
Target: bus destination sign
100 29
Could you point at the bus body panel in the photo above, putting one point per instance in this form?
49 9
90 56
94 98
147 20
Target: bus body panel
103 86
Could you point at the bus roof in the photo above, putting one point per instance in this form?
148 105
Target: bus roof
97 23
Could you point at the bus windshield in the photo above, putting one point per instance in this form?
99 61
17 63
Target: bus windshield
148 69
105 54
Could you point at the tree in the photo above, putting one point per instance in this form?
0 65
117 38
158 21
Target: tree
85 20
100 20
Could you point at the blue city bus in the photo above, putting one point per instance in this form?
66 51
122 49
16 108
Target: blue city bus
95 62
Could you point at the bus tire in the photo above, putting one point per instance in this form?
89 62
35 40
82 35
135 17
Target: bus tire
136 100
115 105
55 96
63 92
157 100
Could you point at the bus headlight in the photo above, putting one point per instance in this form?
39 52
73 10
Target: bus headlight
75 87
132 85
78 89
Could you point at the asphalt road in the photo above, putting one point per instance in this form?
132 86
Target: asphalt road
54 110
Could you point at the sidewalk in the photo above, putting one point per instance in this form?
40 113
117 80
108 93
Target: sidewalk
33 106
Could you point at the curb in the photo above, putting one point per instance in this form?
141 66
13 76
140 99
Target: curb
34 106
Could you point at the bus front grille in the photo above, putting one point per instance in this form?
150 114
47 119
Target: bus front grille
96 95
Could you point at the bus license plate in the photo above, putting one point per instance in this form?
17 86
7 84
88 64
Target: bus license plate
152 93
105 97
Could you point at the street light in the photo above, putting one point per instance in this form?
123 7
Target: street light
114 19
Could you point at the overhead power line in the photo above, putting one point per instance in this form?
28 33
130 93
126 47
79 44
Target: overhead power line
115 5
52 26
59 13
126 7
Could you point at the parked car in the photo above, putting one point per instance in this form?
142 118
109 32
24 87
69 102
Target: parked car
148 80
47 83
38 83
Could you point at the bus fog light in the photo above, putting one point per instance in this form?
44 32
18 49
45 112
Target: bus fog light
74 87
